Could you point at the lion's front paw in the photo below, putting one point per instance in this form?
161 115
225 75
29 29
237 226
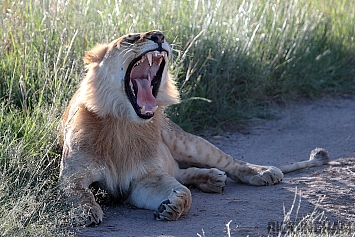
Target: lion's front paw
87 214
266 176
214 182
95 214
176 205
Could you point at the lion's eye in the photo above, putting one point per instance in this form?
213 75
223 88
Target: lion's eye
132 38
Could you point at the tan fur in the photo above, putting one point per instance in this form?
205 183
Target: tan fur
144 161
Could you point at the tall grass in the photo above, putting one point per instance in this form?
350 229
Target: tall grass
231 60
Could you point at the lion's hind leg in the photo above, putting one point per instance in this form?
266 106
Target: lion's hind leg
192 150
207 180
162 193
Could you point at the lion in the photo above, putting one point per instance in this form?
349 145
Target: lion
115 134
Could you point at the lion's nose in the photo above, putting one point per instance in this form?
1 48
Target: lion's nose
158 38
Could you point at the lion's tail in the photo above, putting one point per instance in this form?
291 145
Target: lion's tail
318 157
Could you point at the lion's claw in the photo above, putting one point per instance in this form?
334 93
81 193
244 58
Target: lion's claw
172 208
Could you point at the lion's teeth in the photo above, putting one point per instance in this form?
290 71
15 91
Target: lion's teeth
143 110
139 62
131 85
150 59
165 57
155 109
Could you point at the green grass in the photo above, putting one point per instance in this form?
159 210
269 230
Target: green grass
231 61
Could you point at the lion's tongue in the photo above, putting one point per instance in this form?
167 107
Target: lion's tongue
144 95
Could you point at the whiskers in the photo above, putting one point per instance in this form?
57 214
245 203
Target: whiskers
127 48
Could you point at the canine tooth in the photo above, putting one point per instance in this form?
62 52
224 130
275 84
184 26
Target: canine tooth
143 110
155 109
150 59
165 57
131 85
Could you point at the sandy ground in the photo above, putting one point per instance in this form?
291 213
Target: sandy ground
296 130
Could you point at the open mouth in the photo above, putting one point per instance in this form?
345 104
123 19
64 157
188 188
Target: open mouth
142 82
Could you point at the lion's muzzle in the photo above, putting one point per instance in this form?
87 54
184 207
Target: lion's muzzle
143 79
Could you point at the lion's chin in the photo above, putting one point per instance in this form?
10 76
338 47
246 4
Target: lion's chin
142 82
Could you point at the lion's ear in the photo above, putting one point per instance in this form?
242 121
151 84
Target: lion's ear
96 54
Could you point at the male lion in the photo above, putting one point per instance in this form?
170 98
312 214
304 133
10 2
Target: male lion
115 134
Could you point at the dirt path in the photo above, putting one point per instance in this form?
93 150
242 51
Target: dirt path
298 128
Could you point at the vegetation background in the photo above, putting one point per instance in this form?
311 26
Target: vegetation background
231 60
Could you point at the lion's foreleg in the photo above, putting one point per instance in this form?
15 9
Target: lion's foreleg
84 207
162 193
75 180
208 180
